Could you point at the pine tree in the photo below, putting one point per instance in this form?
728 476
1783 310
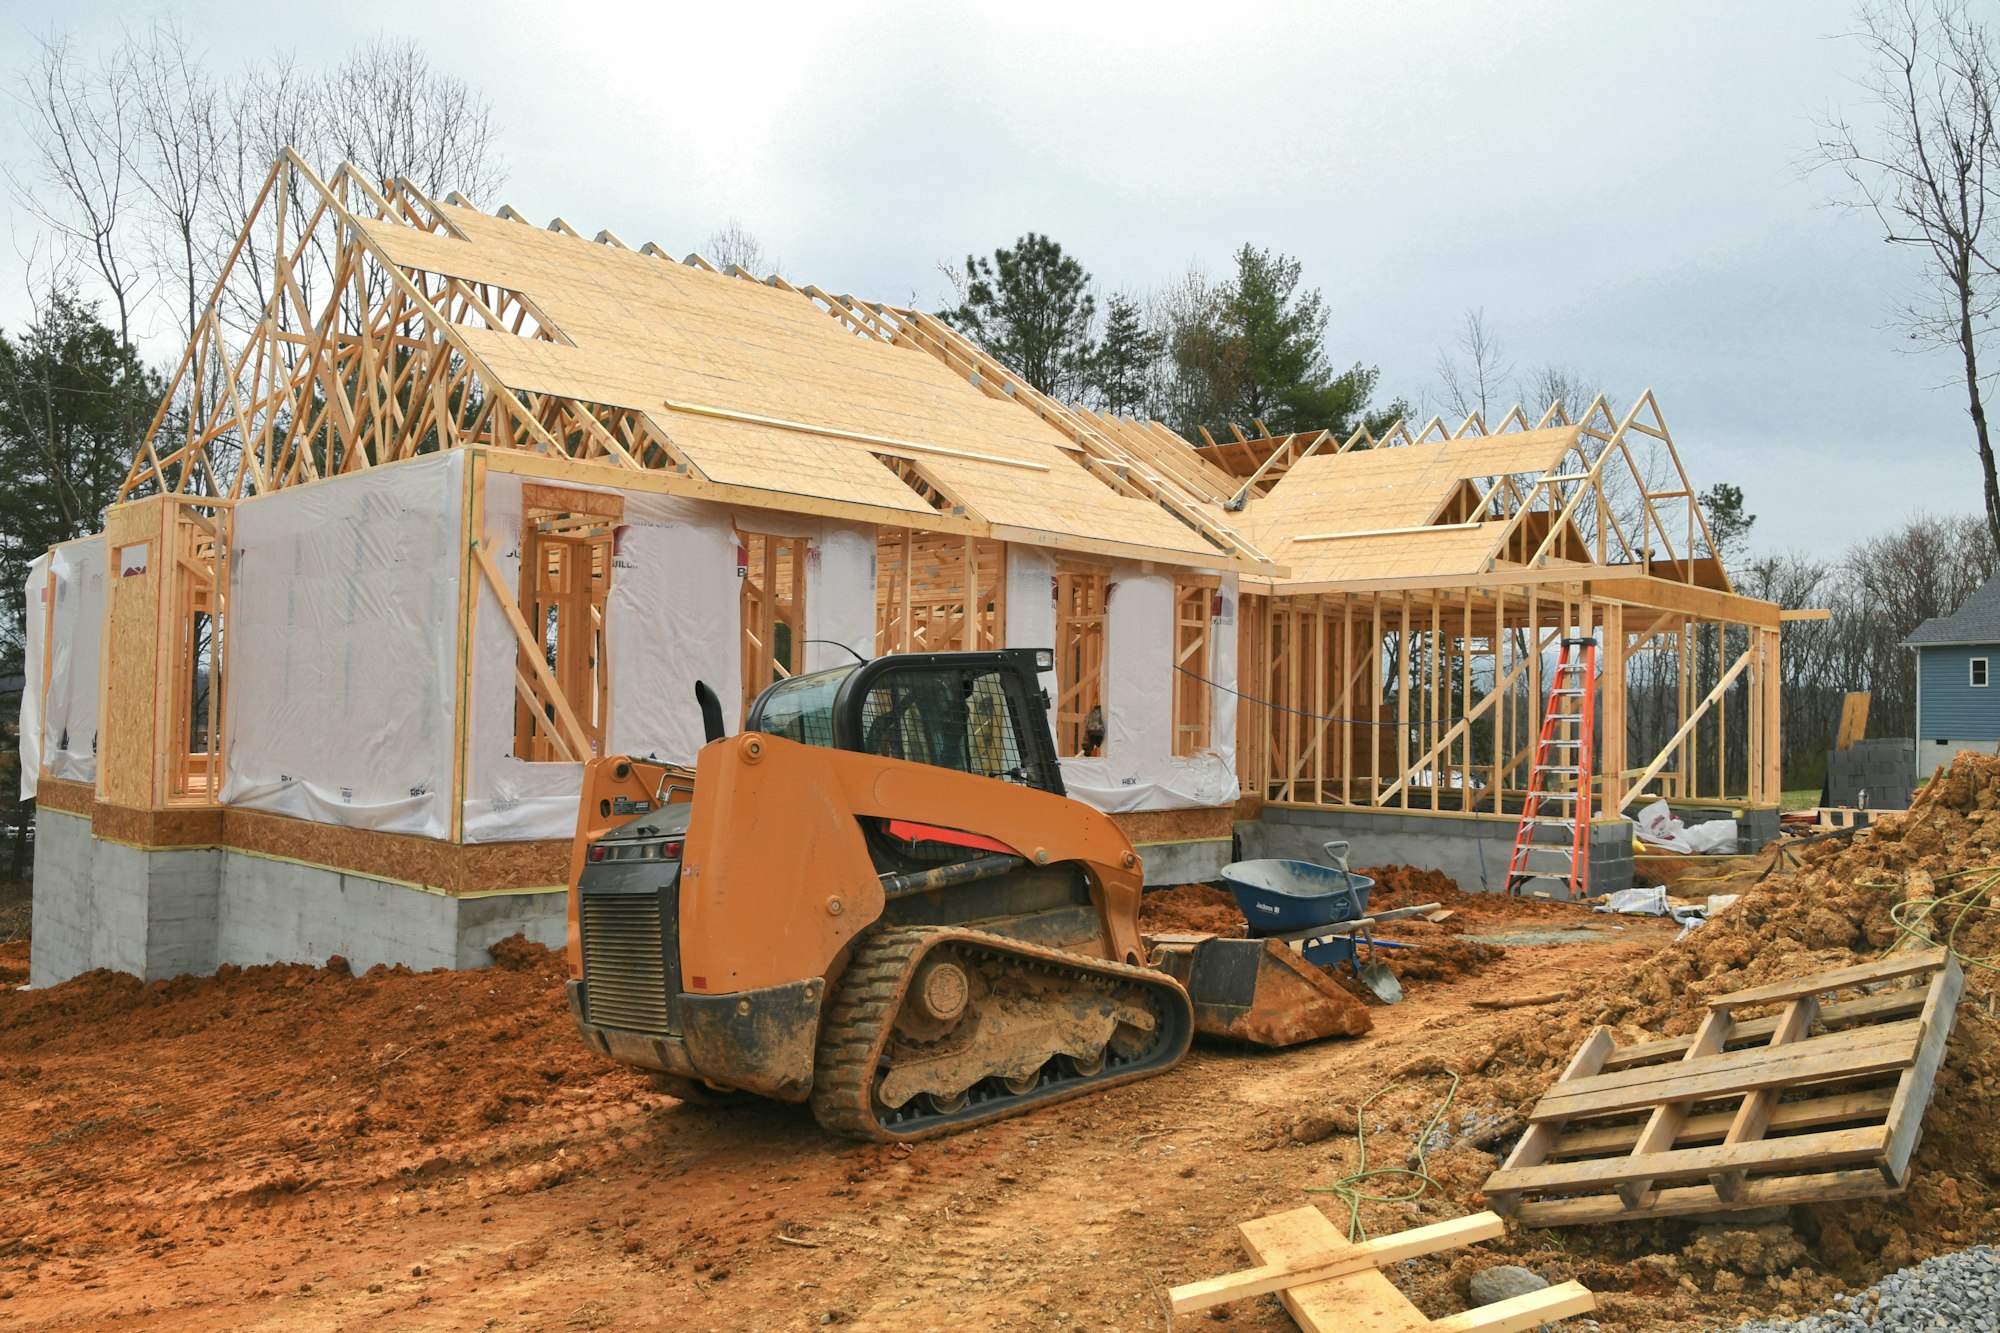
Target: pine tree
74 402
1123 372
1031 307
1277 370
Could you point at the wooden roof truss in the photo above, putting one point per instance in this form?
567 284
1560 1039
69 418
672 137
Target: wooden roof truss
376 373
370 344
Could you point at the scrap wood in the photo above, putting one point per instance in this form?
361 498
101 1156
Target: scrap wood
1330 1283
1770 1132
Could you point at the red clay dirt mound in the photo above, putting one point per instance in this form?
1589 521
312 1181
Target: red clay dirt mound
109 1085
1833 911
1201 908
1191 909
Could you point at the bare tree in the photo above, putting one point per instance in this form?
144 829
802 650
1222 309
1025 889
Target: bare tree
81 184
734 245
1192 387
1544 387
180 130
274 105
389 112
1470 385
147 167
1920 167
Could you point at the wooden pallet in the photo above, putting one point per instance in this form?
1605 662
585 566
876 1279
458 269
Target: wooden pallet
1329 1283
1823 1099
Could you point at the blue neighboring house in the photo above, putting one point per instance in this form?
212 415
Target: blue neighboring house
1958 695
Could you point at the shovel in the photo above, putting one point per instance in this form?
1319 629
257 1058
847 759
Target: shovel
1375 975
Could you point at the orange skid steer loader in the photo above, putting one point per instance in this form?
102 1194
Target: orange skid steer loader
877 898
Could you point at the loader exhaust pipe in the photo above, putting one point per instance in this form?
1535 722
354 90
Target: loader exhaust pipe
711 711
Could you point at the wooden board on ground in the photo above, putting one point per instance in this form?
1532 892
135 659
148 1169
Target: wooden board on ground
1853 720
1330 1283
1821 1100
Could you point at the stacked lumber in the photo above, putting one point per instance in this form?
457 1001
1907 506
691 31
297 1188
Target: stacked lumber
1822 1099
1329 1283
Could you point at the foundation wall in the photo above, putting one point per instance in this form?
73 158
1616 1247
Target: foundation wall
1473 852
1197 862
159 913
105 904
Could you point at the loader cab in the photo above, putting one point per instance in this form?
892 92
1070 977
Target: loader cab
979 713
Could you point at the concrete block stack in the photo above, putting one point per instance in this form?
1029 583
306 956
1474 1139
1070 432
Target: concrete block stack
1885 769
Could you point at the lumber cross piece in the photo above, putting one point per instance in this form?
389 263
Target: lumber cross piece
1333 1285
1268 1278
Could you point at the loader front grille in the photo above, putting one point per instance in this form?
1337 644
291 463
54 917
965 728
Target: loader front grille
625 961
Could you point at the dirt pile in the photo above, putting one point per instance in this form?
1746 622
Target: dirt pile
1835 909
1191 909
111 1084
1935 867
1434 955
1406 886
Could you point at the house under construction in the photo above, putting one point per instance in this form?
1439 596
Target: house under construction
451 502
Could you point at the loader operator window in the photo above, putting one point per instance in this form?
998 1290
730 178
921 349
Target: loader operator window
961 720
801 709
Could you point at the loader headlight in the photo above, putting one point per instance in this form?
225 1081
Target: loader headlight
1045 659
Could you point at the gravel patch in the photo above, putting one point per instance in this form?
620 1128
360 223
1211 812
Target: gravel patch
1950 1292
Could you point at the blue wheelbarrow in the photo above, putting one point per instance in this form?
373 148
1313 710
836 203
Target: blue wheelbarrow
1320 910
1278 897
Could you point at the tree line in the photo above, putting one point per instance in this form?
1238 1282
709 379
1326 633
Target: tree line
1197 354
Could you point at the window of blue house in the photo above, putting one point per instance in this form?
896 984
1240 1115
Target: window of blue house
1979 672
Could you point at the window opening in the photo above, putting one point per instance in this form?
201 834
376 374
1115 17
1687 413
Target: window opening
772 571
1979 671
938 593
1081 594
1194 622
568 539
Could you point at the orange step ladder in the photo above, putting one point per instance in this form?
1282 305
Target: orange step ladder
1561 777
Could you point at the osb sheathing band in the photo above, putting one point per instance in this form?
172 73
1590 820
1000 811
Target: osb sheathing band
1196 825
442 867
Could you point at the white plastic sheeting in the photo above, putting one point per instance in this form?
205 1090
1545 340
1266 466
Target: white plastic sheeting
1657 826
1138 769
840 582
35 599
69 721
1031 607
674 618
840 596
342 660
671 618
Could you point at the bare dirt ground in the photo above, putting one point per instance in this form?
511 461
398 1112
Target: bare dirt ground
302 1148
297 1147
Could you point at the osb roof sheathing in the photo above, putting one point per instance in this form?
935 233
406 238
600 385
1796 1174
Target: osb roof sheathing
1383 494
649 333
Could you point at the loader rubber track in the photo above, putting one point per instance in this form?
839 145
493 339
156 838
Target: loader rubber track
859 1023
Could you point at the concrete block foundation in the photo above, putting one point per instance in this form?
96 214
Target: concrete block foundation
1198 861
164 912
1472 851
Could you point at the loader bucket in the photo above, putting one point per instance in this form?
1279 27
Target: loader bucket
1260 992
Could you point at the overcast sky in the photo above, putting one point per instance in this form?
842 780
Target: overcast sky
1614 185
